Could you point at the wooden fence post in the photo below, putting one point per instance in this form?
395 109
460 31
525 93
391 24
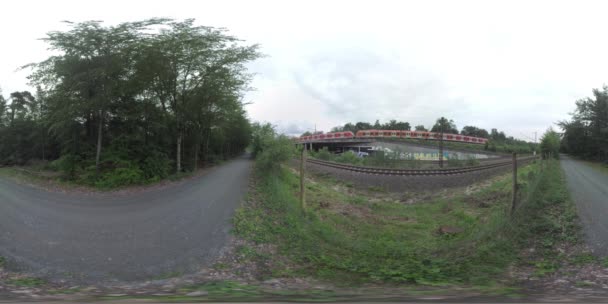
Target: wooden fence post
302 175
514 194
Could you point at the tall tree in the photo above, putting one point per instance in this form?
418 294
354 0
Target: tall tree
587 133
420 128
474 131
447 125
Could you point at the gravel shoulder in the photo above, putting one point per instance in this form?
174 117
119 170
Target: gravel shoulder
111 237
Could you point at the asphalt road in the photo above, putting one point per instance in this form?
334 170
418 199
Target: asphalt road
105 237
589 190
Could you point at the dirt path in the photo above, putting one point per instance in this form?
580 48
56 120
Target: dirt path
589 190
102 237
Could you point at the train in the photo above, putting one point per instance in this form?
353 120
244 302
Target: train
392 134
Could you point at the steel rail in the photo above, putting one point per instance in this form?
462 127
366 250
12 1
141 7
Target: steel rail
414 172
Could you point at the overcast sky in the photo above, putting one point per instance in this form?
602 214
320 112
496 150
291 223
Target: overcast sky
515 66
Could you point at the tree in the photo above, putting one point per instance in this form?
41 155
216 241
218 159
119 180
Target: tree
549 144
448 126
474 131
192 58
129 97
2 109
20 103
421 128
587 133
377 124
363 126
396 125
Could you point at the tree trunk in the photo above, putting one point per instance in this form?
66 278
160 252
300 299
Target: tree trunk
99 135
197 147
43 144
207 144
179 153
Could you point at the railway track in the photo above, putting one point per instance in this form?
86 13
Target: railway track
415 172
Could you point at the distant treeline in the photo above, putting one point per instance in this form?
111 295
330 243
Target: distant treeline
498 141
586 133
131 103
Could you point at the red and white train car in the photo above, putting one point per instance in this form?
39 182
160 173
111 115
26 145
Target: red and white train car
326 136
418 135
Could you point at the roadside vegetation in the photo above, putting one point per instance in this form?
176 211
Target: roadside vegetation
356 236
130 104
586 134
393 159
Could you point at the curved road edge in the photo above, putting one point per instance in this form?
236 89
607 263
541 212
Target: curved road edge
98 238
588 189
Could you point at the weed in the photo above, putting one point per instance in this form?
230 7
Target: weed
26 282
396 242
583 259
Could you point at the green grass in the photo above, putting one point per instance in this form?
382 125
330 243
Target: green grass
2 261
32 176
26 282
598 166
346 238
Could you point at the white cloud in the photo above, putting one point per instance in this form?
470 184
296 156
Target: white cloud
514 65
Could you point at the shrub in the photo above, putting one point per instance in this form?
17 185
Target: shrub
324 154
155 166
454 161
121 177
348 157
67 164
274 152
472 161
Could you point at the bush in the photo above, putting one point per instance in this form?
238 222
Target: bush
67 164
155 167
348 157
472 161
324 154
454 161
121 177
274 152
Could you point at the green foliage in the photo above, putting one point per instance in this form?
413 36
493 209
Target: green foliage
26 282
474 131
549 144
586 135
270 148
68 164
471 161
445 125
323 154
454 161
120 177
395 242
129 97
261 137
348 157
155 166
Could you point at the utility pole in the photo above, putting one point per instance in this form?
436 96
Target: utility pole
441 144
535 144
302 177
514 192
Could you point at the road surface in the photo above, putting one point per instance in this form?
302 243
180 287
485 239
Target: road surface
589 190
105 237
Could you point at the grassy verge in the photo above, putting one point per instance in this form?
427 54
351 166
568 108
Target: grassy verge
39 176
347 236
602 167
